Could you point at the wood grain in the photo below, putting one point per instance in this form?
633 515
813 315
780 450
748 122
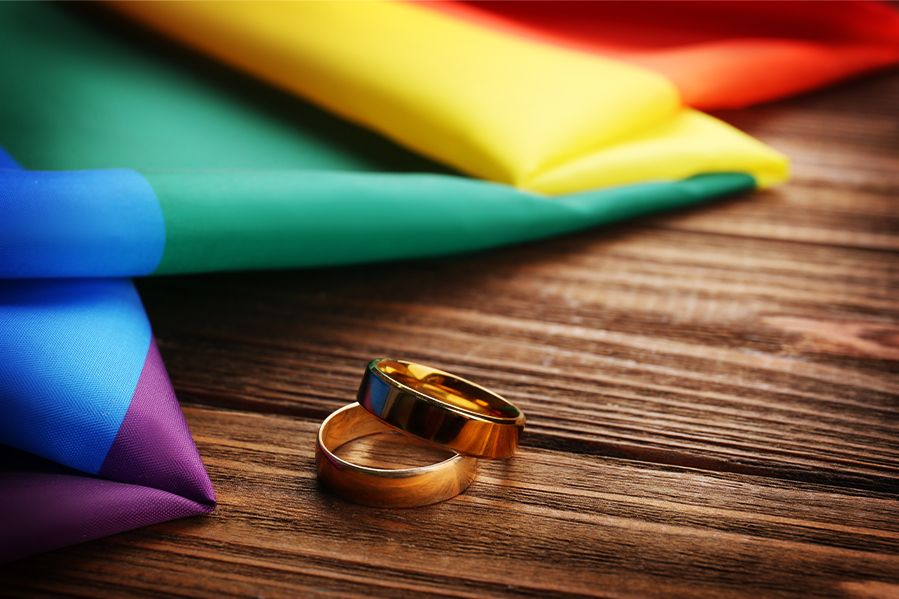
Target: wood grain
768 361
712 396
545 522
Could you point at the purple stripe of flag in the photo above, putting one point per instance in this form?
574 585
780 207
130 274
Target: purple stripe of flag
43 511
154 446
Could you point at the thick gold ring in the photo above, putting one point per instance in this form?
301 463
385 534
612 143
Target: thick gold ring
441 408
406 487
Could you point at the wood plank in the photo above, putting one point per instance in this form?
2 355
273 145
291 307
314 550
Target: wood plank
845 136
735 354
844 185
814 213
544 522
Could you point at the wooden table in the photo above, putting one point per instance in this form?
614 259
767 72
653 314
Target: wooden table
712 396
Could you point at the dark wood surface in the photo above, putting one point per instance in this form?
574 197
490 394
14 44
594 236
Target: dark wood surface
712 396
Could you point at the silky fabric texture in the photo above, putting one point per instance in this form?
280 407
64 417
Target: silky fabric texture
189 164
48 510
243 176
267 219
132 100
88 223
492 105
68 406
79 358
718 54
82 385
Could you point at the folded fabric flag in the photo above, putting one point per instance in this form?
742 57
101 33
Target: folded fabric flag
146 162
497 106
155 167
113 223
718 54
216 178
84 392
82 385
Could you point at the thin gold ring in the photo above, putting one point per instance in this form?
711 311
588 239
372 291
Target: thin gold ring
441 408
405 487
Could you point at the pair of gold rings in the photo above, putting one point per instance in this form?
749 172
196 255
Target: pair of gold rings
430 406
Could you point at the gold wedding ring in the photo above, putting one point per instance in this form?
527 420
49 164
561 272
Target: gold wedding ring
441 408
430 407
405 487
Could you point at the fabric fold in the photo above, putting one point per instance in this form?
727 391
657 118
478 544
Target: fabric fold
81 223
82 385
73 352
718 54
45 508
189 167
494 106
153 447
241 220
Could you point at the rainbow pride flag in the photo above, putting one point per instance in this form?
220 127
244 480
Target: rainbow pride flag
180 170
717 54
311 135
495 106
